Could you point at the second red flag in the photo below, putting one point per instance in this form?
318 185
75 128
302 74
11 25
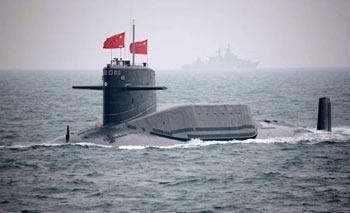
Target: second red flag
140 47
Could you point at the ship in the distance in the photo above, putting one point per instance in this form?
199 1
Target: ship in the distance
227 62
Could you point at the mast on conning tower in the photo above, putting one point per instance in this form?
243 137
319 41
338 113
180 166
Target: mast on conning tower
133 42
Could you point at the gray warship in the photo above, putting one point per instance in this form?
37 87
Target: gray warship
131 116
222 62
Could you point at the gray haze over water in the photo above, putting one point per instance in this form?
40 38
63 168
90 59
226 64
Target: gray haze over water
56 35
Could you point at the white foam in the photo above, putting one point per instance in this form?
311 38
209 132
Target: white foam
92 144
339 134
134 147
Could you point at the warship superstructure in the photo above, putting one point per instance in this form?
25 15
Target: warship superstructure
227 62
131 115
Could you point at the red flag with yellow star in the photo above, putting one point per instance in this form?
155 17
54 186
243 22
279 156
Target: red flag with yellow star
115 41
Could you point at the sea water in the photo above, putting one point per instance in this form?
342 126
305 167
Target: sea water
309 172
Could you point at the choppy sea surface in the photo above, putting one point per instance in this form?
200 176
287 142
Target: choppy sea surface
309 172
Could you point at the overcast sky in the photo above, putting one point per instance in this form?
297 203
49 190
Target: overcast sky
68 34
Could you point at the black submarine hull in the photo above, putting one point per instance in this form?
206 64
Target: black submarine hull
131 116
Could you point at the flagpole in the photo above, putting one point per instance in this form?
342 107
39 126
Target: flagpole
111 56
133 42
124 54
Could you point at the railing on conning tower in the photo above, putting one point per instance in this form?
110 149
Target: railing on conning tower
119 62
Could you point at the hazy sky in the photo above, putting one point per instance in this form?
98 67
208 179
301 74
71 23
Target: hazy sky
68 34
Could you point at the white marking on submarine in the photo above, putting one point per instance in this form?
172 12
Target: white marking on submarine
131 117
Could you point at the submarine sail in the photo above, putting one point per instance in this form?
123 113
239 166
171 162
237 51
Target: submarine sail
128 90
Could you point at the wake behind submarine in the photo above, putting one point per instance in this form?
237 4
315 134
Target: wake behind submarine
131 116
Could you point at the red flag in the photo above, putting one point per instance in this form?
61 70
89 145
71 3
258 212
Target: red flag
116 41
140 47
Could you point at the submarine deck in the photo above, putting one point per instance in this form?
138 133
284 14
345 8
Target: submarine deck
177 124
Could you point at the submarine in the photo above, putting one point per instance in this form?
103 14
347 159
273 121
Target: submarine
131 116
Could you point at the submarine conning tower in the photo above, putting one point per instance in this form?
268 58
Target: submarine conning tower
128 91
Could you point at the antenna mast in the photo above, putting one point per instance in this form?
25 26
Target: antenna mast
133 42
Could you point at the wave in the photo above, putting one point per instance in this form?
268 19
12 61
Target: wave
338 135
